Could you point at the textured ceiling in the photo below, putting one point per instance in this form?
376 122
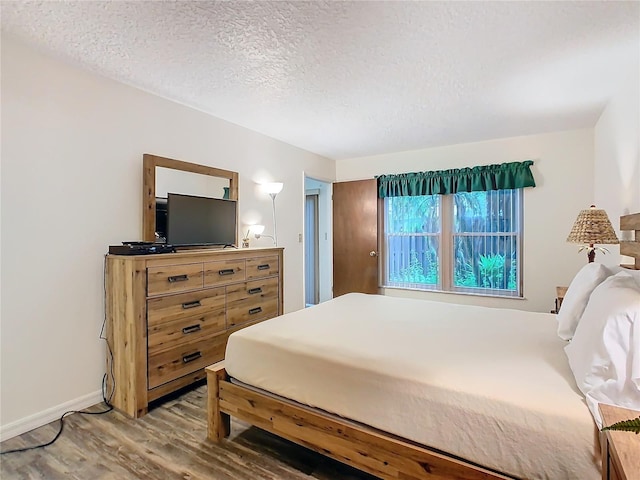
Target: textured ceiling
347 79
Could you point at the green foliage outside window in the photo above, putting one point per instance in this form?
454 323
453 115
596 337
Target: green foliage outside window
491 270
417 272
511 283
413 215
465 276
483 240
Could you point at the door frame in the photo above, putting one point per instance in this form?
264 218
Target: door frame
325 211
312 245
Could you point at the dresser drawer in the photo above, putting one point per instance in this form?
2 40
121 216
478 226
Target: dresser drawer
250 309
184 359
262 267
174 307
165 336
256 289
174 278
223 272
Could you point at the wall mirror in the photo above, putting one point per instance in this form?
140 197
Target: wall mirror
162 175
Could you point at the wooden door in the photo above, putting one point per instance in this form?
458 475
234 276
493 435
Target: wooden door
355 237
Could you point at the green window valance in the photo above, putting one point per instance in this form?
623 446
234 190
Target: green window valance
504 176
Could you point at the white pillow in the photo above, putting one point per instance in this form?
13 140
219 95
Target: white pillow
632 273
577 296
604 354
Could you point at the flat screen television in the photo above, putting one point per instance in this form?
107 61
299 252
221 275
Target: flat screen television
193 221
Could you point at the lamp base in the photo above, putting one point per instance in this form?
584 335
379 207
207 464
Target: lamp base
591 253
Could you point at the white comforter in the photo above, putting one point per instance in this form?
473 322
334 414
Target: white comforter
489 385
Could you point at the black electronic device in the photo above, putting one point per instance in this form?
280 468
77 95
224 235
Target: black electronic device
140 248
193 221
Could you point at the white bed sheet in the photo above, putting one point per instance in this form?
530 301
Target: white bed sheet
489 385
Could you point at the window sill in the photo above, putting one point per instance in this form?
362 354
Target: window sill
471 294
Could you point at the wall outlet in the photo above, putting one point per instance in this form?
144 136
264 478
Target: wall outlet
299 238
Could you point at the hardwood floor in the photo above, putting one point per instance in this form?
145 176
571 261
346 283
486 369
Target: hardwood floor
168 443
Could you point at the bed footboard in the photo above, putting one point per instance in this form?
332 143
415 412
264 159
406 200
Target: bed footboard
367 449
218 422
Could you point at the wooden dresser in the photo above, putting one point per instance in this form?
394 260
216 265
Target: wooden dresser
170 315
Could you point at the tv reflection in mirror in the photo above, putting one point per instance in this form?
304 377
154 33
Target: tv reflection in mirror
188 220
161 220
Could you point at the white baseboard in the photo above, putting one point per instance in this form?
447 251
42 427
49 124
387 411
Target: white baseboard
46 416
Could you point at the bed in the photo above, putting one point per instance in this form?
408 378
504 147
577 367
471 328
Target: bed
412 389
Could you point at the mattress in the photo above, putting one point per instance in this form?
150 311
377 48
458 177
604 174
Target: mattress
492 386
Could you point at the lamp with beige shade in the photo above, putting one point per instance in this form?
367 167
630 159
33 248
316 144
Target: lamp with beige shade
590 228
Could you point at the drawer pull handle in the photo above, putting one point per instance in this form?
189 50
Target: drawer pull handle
253 291
193 304
191 357
178 278
191 329
264 266
226 271
253 311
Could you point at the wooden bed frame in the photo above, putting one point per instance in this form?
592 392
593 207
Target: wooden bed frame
631 248
365 448
379 453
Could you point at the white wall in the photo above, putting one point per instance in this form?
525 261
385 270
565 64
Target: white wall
563 170
617 157
72 146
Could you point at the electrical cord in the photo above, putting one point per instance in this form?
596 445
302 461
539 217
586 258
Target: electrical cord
106 397
60 430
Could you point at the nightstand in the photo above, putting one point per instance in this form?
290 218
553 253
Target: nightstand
560 293
620 450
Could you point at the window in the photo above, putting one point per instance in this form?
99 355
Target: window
413 237
465 242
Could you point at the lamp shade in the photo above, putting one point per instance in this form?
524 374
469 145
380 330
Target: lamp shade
273 187
592 227
256 229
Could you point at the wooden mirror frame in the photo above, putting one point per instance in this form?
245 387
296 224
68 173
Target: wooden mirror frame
149 164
